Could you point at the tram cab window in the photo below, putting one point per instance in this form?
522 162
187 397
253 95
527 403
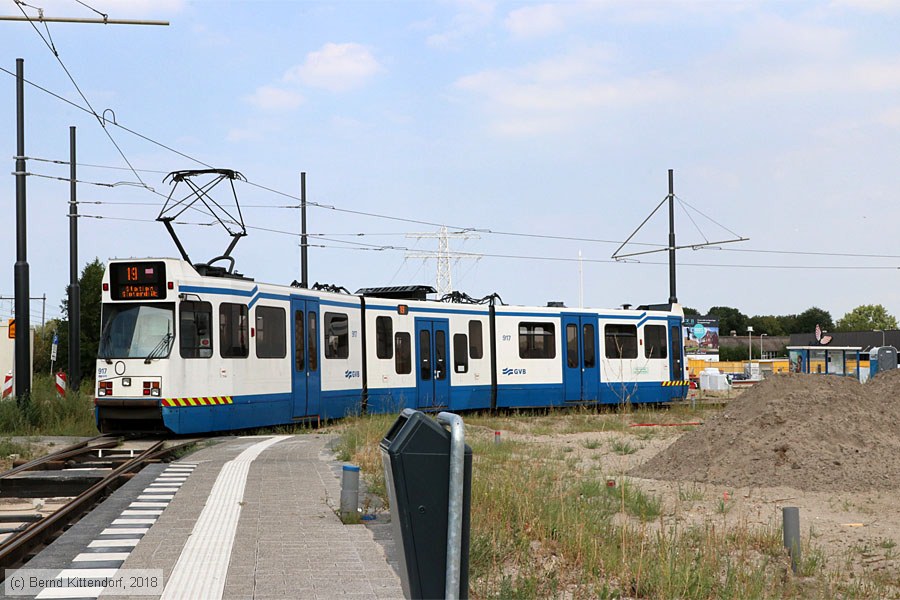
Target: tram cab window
384 334
621 341
337 335
537 340
195 329
137 330
271 340
233 331
655 341
460 353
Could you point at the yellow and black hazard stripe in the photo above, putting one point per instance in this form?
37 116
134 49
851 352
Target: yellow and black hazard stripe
207 401
675 383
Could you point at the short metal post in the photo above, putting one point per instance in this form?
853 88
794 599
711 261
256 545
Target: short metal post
455 506
791 519
496 437
349 491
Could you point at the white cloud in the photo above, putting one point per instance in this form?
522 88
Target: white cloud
773 38
140 8
875 6
336 67
472 16
890 117
558 94
538 21
270 97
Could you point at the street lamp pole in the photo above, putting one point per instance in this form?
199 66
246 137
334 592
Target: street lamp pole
750 341
761 336
882 335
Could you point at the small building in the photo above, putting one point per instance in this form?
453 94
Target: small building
831 360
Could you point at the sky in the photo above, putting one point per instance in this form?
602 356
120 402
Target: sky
556 122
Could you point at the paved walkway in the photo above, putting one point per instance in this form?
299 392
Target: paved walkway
277 496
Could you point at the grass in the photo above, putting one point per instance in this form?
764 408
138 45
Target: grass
543 527
10 450
622 447
359 443
45 413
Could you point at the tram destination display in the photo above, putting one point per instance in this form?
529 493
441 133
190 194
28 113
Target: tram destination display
137 281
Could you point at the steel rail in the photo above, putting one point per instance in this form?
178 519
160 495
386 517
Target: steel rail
67 452
14 550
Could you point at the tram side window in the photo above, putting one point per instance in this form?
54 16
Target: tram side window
337 335
233 330
537 340
655 341
195 327
572 345
403 354
384 334
621 341
312 340
476 343
460 353
299 354
271 341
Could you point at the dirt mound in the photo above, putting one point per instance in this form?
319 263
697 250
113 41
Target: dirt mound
808 432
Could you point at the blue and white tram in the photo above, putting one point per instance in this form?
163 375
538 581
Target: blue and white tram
194 353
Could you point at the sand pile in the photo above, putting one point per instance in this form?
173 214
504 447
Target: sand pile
808 432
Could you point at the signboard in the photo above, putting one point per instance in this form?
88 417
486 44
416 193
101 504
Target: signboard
11 332
54 347
701 335
137 281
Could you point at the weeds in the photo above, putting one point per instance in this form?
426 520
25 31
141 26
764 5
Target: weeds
541 529
622 447
45 413
690 494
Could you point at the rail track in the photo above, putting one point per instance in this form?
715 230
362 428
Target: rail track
72 480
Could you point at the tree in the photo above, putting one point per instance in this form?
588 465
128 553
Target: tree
730 319
788 323
867 317
736 353
43 341
808 319
690 312
90 284
768 324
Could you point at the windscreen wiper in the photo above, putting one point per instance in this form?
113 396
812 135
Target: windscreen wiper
104 345
161 348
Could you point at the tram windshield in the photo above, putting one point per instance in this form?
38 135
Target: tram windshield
137 331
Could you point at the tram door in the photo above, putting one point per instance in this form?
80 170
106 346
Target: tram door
676 351
432 354
581 370
306 379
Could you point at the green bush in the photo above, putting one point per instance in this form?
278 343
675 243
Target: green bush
45 413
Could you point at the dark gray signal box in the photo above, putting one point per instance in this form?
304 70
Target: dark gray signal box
416 457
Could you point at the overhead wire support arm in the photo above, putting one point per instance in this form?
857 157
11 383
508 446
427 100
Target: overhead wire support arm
615 255
672 247
43 19
691 246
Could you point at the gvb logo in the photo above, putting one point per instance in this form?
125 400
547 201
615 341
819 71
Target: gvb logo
351 374
508 371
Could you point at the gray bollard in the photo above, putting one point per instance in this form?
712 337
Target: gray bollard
791 525
349 492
